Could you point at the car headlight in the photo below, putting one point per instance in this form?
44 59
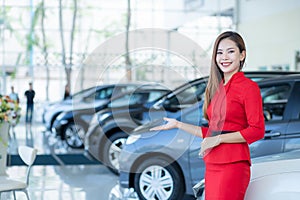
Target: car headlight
133 138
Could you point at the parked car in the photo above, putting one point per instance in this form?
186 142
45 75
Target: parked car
166 163
52 105
87 98
110 128
72 125
275 177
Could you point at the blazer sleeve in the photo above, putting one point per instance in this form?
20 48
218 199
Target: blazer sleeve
254 113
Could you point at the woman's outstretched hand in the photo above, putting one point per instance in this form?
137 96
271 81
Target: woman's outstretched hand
172 123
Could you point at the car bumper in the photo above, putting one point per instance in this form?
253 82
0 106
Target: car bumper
92 141
126 160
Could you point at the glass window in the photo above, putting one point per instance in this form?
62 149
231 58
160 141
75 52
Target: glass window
81 94
188 96
119 101
275 98
194 116
155 95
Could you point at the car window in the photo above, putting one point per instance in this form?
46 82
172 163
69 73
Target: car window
188 96
83 93
128 99
119 101
104 93
122 89
194 116
128 88
155 95
136 98
275 98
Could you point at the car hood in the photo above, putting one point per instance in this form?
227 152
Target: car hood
277 157
275 164
145 128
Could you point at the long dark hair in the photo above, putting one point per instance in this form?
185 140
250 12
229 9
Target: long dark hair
216 75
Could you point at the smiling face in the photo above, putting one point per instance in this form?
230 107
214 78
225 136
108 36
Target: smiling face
229 57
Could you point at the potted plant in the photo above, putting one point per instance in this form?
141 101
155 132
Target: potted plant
9 116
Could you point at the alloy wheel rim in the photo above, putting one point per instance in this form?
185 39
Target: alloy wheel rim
156 183
73 136
114 152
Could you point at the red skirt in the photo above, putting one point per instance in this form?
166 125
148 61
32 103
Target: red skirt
226 181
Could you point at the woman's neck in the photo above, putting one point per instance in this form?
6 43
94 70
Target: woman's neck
228 76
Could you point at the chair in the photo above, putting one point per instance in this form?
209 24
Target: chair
7 184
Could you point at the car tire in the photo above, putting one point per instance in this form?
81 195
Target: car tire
112 149
74 135
165 183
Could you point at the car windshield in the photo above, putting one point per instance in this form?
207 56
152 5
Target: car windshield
82 93
135 98
102 94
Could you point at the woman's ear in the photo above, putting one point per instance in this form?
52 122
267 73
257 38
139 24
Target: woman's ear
243 55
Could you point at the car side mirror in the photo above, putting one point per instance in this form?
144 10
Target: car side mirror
166 104
170 107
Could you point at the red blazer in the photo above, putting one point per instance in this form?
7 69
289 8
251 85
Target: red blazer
237 106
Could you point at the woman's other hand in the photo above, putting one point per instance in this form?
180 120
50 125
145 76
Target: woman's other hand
171 123
208 143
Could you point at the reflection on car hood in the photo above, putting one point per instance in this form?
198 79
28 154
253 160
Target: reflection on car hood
277 157
275 164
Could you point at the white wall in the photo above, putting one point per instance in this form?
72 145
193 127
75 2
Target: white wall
183 11
271 29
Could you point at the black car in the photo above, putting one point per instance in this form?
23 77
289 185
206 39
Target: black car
173 154
72 125
110 127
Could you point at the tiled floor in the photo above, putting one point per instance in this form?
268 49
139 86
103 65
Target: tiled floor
57 182
84 182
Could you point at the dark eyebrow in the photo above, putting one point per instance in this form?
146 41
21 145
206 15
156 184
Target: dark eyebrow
230 48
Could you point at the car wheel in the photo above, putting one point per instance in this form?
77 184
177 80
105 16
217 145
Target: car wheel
158 179
112 149
74 134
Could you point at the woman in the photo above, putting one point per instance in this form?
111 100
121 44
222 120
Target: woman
233 108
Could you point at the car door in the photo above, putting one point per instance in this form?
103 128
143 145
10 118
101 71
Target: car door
275 99
196 164
292 136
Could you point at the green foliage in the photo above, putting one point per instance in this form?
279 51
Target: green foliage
9 110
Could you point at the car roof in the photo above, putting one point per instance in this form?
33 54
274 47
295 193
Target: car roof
272 72
280 78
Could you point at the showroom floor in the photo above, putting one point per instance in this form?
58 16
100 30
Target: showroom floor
59 173
65 182
56 182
